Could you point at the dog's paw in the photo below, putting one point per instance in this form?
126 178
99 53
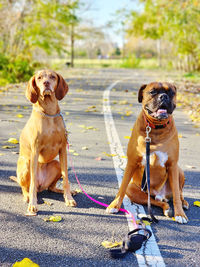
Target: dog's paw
168 212
185 204
111 210
181 219
70 202
31 211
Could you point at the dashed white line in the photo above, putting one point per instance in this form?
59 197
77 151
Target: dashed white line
150 254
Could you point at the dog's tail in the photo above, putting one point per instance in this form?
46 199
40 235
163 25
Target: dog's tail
13 178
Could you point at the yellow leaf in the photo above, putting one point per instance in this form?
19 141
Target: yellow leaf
20 116
127 137
75 154
110 155
48 203
123 102
53 219
124 157
196 203
26 262
108 244
67 113
8 147
128 113
180 136
71 150
13 140
79 90
84 148
146 222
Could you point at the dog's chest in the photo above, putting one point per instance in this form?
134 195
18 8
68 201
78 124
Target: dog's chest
157 158
51 142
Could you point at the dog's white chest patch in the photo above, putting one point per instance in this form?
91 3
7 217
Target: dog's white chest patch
156 158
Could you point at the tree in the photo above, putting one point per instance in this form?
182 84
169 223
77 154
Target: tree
175 22
42 24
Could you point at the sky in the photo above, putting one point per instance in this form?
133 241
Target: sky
102 11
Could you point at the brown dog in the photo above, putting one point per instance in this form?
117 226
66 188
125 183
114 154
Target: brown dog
42 139
166 178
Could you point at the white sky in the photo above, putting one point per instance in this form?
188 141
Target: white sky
102 11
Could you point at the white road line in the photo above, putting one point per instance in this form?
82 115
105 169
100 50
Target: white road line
148 255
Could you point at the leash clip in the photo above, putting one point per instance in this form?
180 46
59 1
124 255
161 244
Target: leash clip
148 130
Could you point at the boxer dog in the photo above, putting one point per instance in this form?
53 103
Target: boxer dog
166 177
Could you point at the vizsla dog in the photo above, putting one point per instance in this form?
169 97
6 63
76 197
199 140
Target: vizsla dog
42 139
166 177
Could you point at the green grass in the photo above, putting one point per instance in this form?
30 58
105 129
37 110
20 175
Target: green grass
107 63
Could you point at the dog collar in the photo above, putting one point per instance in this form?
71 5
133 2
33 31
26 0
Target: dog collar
153 125
54 116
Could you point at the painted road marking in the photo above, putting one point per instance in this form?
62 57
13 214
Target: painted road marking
148 255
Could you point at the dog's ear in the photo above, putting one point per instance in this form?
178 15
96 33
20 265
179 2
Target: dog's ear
140 93
62 88
32 91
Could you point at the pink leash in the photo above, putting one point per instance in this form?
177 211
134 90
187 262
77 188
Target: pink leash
94 200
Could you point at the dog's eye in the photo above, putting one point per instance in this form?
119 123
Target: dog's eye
40 77
153 92
52 77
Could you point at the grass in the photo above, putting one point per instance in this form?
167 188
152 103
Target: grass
108 63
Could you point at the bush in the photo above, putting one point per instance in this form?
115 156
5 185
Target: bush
130 62
3 61
15 70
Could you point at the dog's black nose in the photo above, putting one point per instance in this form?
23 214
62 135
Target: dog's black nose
163 97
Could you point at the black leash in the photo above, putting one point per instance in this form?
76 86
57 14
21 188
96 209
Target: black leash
132 242
146 184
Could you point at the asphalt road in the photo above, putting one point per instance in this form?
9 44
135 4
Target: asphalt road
76 240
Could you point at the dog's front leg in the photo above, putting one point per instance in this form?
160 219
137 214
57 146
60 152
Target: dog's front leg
179 214
69 201
32 207
115 206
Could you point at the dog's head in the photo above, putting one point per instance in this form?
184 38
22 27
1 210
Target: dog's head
46 83
158 99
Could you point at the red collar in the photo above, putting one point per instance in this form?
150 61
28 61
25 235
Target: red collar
155 126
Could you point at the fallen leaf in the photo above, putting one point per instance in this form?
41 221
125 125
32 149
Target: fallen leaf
20 116
13 140
53 219
99 158
76 154
127 137
108 244
84 148
124 157
123 102
110 155
71 150
26 262
196 203
8 147
180 136
190 167
67 113
48 203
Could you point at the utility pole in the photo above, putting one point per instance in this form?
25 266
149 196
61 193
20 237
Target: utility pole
72 45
